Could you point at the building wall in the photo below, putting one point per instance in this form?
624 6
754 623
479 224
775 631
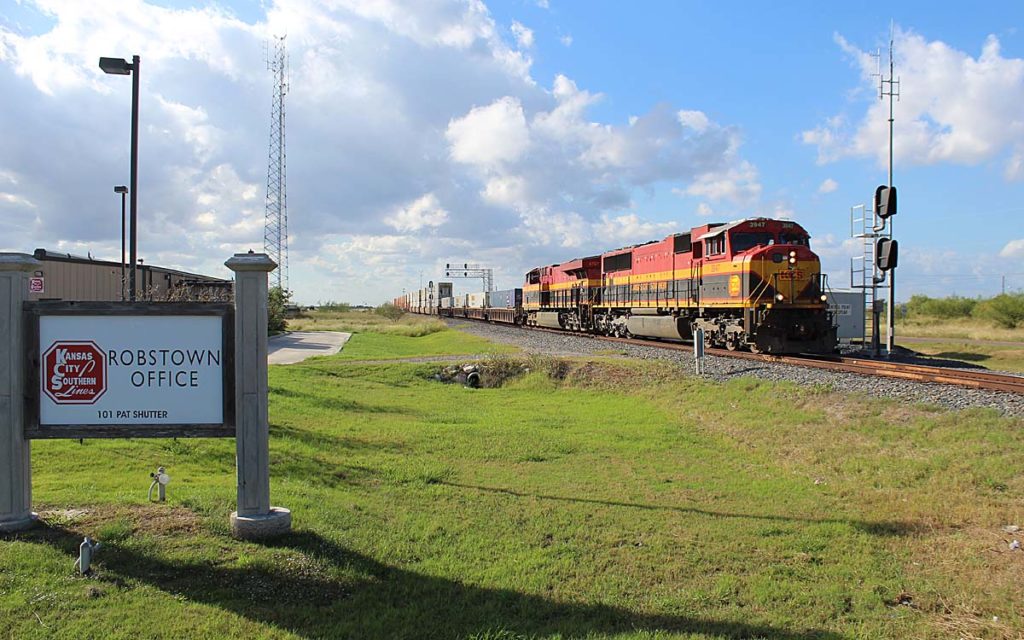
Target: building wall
94 280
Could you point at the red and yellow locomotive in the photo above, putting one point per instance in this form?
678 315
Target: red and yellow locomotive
753 284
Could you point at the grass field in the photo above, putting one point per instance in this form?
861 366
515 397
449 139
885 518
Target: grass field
954 328
409 325
586 500
1002 357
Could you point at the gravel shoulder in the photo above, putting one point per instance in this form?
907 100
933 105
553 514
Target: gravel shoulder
721 369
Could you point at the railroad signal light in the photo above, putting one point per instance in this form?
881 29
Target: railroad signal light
886 254
885 201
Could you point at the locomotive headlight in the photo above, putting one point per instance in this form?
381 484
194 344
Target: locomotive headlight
824 298
780 297
792 254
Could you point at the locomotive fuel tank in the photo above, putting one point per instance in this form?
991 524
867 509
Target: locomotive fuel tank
658 327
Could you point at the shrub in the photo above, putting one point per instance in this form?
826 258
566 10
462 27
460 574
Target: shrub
389 311
337 307
277 301
944 308
1006 310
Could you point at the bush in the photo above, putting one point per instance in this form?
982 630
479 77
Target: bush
1006 310
277 301
336 307
389 311
944 308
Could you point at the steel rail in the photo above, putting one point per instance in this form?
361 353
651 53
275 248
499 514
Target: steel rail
972 378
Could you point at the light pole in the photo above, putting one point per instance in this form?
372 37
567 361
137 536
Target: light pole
121 67
123 190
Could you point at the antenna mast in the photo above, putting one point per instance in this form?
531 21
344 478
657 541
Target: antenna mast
890 88
275 230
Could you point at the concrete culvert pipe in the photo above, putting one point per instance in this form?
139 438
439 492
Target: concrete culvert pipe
473 380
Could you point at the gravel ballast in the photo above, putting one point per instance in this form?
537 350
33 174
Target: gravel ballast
719 368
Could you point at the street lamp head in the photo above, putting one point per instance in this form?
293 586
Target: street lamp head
121 189
116 66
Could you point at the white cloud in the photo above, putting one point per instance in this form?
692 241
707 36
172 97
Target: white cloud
695 120
524 35
543 4
425 211
954 107
394 108
16 200
704 210
737 184
828 186
509 191
630 229
1013 249
491 135
566 40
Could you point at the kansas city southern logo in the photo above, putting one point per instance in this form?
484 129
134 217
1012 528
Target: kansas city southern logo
74 372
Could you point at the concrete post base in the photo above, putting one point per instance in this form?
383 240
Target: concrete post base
276 523
21 524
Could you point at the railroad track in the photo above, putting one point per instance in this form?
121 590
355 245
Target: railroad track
972 378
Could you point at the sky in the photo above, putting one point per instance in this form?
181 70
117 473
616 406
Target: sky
513 133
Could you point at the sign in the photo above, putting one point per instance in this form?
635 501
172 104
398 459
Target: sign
131 370
734 286
124 369
35 285
74 372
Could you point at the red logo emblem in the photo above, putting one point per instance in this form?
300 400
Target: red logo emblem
74 372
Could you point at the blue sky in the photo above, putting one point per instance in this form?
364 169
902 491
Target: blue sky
514 133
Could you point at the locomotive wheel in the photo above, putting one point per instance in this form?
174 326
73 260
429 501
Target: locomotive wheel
732 344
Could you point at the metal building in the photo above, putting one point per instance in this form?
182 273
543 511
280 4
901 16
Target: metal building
64 276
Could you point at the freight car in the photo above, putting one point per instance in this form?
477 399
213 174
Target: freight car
751 284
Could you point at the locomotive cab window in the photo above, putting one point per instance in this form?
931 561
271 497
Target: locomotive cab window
715 246
794 238
744 240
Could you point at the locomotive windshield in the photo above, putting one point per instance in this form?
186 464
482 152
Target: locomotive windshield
794 238
743 240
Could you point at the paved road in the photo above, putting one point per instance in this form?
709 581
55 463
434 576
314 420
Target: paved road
289 348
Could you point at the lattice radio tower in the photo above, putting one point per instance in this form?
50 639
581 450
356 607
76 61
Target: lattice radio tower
275 230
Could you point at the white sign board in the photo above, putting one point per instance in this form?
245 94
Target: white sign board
153 370
848 313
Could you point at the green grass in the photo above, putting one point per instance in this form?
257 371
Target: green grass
376 346
409 325
998 357
616 500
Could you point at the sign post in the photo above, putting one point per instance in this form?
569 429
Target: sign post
255 517
15 469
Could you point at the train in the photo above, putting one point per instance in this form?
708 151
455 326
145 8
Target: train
753 284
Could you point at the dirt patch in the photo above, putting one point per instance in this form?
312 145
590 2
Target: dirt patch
148 519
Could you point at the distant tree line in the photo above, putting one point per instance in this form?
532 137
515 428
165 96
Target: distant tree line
1005 310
